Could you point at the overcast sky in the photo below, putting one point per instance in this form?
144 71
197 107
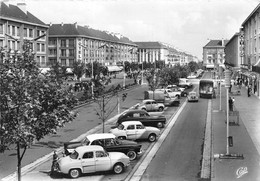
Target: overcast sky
185 24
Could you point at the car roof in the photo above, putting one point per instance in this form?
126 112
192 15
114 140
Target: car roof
148 100
96 136
130 122
89 148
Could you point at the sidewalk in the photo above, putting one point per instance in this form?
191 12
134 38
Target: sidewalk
246 139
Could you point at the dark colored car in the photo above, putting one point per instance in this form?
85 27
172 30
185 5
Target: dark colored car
144 117
109 142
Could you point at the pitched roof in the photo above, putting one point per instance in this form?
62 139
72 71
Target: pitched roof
152 45
14 12
76 30
216 43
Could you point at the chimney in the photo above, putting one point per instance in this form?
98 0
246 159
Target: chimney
22 7
76 25
61 23
222 42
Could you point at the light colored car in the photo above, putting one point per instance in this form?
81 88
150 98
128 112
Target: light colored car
183 82
171 93
89 159
150 105
109 142
135 130
176 88
193 97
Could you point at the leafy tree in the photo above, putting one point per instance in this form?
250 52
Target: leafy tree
193 66
78 69
32 105
58 72
153 80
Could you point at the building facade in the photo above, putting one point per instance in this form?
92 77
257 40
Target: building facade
70 42
18 25
232 52
213 54
250 45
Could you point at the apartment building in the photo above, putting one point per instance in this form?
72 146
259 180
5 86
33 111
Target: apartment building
71 42
250 44
213 54
18 25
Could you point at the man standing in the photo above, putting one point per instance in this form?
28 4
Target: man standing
248 91
230 103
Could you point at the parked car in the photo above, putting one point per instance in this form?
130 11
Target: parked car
175 88
161 97
109 142
135 130
150 105
170 92
89 159
144 117
193 97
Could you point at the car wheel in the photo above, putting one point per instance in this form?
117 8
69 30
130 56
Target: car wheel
185 94
118 168
74 173
159 125
160 109
131 154
121 137
152 137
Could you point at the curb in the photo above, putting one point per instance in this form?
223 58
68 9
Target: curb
207 147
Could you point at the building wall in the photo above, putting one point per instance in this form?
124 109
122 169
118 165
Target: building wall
21 31
232 52
213 55
69 49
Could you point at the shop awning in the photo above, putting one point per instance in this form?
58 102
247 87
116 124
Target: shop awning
114 68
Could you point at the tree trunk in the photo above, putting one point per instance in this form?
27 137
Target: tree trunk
18 162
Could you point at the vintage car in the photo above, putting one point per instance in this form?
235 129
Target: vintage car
135 130
176 88
89 159
193 97
109 142
170 92
185 83
143 116
150 105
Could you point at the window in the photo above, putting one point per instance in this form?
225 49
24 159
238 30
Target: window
43 47
1 43
43 32
18 31
38 47
25 32
30 33
71 52
63 52
88 155
38 33
71 61
63 43
130 127
139 126
63 62
100 154
52 42
13 45
13 30
1 29
43 60
71 43
9 30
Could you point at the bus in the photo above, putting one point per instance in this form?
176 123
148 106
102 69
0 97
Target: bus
206 89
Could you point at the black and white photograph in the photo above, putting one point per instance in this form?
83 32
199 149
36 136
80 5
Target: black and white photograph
130 90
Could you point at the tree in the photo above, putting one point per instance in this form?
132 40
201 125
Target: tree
193 66
32 106
153 80
78 69
58 72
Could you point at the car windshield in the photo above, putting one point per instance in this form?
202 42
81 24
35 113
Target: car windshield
120 127
85 141
74 155
192 94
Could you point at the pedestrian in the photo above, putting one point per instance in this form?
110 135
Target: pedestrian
248 91
54 161
230 103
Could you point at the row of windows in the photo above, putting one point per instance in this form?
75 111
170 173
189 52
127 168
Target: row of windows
16 31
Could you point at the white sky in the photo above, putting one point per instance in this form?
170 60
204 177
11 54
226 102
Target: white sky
185 24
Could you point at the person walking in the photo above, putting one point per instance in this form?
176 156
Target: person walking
230 103
54 161
248 91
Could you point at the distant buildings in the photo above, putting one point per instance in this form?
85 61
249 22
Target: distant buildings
213 54
70 42
17 25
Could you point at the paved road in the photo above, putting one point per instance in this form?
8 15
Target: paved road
180 154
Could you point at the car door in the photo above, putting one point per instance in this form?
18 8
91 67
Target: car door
148 106
88 162
140 131
154 106
103 162
131 132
